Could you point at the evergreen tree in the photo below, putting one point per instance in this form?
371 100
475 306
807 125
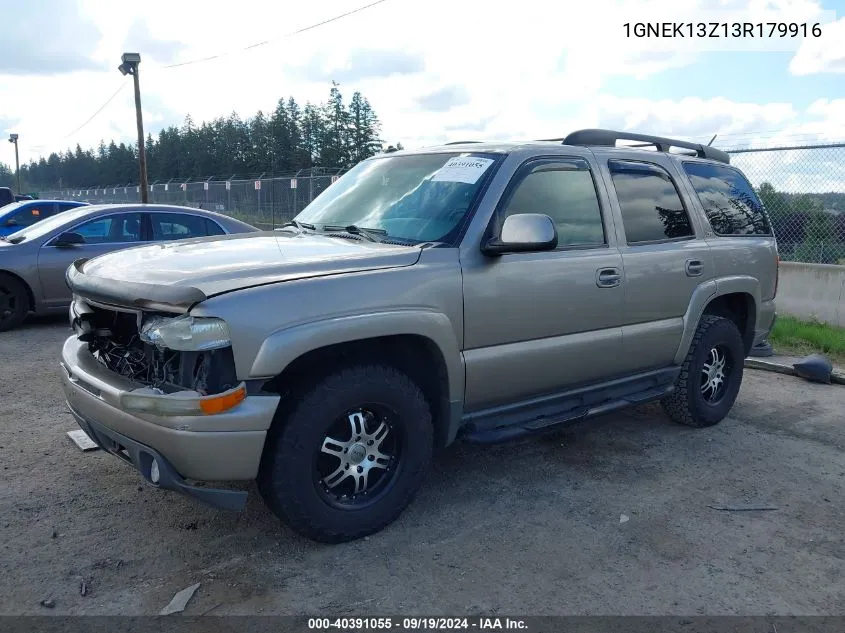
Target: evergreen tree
363 140
313 134
332 134
336 130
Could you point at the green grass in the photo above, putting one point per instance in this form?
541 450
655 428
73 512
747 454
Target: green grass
797 338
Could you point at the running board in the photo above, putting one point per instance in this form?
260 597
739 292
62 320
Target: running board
485 433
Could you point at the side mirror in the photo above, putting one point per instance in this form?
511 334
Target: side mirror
66 240
523 233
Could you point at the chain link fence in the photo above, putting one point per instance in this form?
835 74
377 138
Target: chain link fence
264 202
803 189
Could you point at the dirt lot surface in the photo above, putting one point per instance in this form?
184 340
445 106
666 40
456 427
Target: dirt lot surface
531 527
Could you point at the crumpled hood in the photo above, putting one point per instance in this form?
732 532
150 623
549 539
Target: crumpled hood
216 265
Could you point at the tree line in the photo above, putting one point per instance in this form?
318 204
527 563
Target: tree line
332 134
808 227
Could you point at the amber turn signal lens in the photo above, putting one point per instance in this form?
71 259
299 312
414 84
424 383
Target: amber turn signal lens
219 404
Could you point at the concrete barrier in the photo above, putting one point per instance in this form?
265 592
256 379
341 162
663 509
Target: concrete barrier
812 291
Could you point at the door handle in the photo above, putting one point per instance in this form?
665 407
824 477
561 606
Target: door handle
694 267
608 277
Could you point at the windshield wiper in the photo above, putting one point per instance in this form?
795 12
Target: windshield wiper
374 235
299 225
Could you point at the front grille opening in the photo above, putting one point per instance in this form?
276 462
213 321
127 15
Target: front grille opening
113 339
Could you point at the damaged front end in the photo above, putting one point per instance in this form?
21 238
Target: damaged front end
165 353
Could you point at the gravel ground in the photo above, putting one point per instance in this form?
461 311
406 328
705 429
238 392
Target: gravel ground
531 527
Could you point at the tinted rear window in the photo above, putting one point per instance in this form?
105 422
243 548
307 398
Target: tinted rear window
651 207
729 201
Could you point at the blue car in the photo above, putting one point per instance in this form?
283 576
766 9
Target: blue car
19 215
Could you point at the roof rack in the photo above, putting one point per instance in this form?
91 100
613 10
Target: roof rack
462 142
608 138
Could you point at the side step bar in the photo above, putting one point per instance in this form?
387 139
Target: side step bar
529 426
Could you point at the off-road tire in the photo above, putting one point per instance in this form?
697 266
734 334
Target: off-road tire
13 315
686 405
286 476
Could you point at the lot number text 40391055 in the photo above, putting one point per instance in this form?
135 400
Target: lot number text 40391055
416 624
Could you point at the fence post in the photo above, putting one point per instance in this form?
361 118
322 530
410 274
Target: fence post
229 193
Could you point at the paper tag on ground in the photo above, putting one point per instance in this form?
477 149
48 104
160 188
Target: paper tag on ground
81 439
462 169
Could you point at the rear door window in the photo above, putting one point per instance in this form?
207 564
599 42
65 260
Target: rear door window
652 210
180 226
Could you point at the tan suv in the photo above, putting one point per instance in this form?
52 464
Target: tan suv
481 290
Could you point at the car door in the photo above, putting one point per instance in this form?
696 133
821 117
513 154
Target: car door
102 234
664 254
539 323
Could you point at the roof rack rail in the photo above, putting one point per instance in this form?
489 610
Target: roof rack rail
462 142
608 138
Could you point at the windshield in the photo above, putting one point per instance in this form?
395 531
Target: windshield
47 225
419 197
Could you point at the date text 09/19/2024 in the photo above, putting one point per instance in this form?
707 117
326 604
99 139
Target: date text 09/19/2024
665 30
415 624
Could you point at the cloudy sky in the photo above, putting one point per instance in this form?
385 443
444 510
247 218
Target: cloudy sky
434 70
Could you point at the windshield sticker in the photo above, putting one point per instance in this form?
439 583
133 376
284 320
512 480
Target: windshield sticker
464 169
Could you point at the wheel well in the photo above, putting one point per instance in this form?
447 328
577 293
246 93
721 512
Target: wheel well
30 296
416 356
740 308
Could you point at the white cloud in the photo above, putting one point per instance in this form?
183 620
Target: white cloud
532 69
825 54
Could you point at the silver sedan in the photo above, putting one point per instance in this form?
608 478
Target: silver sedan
33 261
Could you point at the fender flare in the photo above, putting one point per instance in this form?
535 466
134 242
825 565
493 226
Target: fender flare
704 294
284 346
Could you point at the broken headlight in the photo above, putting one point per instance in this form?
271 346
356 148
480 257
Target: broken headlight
185 333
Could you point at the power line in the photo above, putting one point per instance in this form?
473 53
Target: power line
764 134
291 34
100 109
212 57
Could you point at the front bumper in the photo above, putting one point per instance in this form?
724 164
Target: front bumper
143 457
222 447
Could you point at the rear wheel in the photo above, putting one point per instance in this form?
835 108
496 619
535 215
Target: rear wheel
14 302
710 376
349 454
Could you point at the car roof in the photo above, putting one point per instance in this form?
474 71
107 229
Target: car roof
90 210
43 200
601 140
145 207
495 147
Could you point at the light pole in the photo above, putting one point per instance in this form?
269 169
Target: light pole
130 67
13 138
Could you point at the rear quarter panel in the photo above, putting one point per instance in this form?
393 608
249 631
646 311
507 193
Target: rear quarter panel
747 256
740 255
742 263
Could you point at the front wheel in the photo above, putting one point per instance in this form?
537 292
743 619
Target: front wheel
710 376
349 454
14 302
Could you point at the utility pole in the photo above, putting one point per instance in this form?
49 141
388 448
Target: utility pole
130 67
13 138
